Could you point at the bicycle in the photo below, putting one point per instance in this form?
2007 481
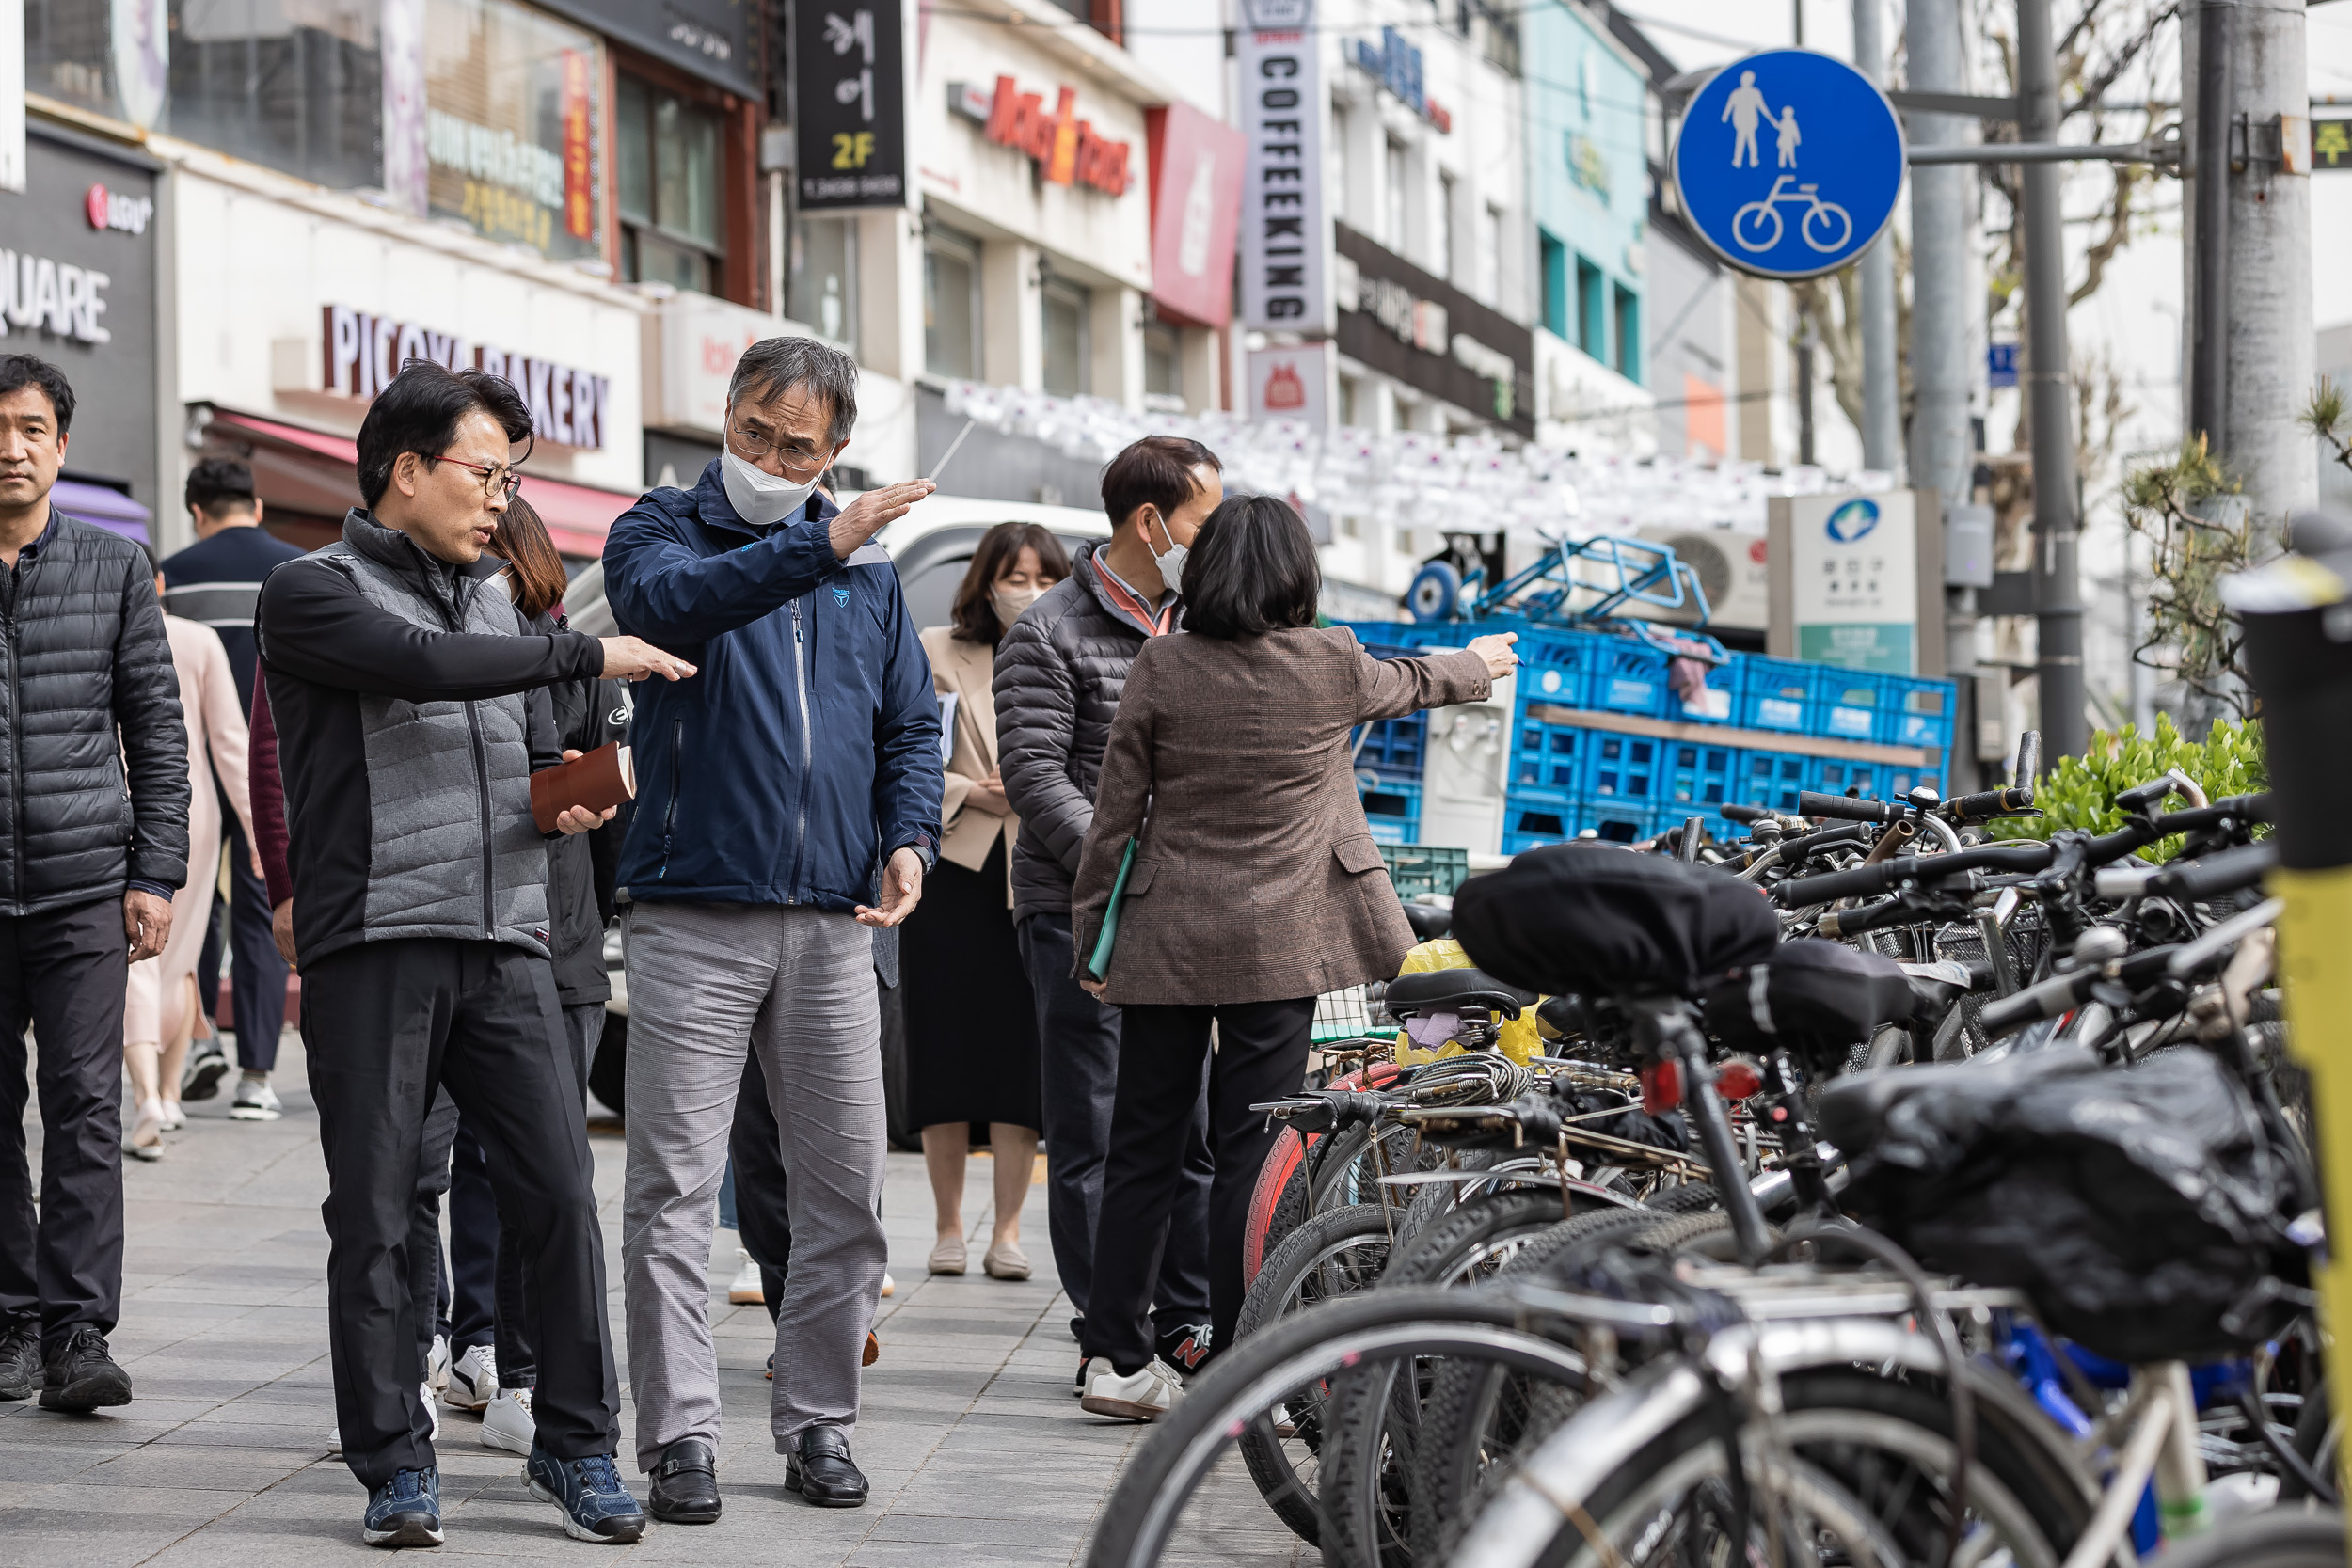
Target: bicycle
1767 207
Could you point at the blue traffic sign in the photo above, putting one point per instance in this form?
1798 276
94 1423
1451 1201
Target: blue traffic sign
1790 162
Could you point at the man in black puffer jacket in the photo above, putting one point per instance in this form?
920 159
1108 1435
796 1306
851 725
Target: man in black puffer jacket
88 862
1060 671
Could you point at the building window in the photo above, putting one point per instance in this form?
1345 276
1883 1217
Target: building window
951 304
1592 302
1629 325
1554 258
514 131
822 284
1339 167
1065 307
1490 255
1441 231
1163 363
1393 214
671 175
1351 402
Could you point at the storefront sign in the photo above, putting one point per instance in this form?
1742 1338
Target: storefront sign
1066 150
1284 237
56 297
690 348
1292 383
1196 210
510 128
849 99
1411 324
117 210
363 353
1396 66
708 39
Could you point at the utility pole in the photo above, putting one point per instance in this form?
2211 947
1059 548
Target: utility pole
1881 378
2270 365
2206 117
1943 444
1805 329
2058 601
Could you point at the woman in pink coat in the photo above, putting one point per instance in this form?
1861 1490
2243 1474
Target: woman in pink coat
161 1009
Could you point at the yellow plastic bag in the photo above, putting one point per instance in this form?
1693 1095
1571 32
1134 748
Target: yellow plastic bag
1516 1039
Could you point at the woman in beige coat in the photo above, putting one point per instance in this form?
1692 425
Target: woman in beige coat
1256 887
972 1045
161 1007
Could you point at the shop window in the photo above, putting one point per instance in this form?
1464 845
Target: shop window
1163 362
822 286
1592 303
511 128
1065 307
1629 325
1554 258
951 304
671 187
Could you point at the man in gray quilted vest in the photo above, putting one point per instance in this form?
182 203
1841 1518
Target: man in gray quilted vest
405 693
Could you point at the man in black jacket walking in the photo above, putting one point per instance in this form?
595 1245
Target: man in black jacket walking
85 883
1060 671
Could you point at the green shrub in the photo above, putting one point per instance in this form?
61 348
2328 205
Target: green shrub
2080 792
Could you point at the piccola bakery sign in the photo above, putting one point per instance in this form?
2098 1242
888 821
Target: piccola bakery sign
364 352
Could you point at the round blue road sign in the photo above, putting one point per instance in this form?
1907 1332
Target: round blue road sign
1790 162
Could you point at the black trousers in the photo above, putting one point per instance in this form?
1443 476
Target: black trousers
428 1286
386 1024
258 978
63 972
1078 1047
1261 1055
755 1145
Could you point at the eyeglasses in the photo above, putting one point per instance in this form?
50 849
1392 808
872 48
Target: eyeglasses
494 478
752 443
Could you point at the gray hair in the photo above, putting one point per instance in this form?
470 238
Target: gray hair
774 366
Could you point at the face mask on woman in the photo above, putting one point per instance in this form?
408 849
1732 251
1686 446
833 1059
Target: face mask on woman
1010 602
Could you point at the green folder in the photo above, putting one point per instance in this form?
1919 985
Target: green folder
1099 963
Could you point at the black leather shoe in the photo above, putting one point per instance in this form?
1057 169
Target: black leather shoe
685 1484
20 1359
80 1375
820 1470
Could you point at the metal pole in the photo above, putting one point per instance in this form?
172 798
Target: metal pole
1882 379
2268 367
2058 604
1804 327
2209 305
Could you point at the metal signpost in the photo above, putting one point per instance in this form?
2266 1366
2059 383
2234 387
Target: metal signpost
1790 162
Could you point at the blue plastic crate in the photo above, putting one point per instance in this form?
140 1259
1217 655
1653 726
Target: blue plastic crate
1919 713
1555 665
1545 755
1618 822
1854 703
1628 768
1627 676
1838 775
1392 810
1395 749
1699 777
1534 817
1718 705
1778 695
1769 779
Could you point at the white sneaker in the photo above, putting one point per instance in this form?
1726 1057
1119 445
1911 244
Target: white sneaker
474 1380
436 1365
745 1291
507 1423
255 1101
1145 1397
335 1434
889 1284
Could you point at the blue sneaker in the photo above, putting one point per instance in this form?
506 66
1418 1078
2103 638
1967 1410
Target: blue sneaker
596 1507
406 1511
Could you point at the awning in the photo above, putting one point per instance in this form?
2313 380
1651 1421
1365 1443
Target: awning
108 508
316 472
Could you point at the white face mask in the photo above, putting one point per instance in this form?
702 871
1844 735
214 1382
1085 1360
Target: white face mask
759 498
1010 602
1172 564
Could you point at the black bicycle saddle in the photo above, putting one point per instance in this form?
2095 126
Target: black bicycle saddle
1428 921
1449 991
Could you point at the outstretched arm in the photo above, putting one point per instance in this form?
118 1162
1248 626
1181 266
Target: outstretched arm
316 625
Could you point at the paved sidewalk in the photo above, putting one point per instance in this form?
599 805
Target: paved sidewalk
976 1448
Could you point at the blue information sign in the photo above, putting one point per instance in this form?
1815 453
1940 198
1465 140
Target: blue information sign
1790 162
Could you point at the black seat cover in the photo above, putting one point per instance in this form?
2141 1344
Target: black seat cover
1853 1111
1428 921
1810 996
1601 920
1447 990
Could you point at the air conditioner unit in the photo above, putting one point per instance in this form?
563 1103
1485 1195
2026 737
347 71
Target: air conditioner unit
1730 566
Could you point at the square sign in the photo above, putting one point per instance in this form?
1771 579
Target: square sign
1855 566
2331 144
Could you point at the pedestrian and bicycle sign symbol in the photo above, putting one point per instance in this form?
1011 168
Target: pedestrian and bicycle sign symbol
1790 162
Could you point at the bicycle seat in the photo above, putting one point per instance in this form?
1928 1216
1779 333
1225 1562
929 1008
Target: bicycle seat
1598 921
1853 1111
1450 991
1935 987
1428 921
1808 994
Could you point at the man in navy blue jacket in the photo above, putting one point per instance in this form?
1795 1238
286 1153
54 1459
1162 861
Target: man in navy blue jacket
771 790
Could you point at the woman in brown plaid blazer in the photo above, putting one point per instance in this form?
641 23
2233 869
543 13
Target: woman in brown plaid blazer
1256 887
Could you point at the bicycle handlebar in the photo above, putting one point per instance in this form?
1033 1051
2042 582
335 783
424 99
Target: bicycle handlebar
2057 995
2226 872
1887 875
1849 809
1748 813
1987 805
1840 923
1795 849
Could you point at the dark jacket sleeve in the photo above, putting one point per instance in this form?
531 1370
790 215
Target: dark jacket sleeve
664 590
269 798
909 777
316 625
155 734
1037 712
1121 797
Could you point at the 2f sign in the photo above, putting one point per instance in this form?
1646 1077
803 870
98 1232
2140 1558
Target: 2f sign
851 149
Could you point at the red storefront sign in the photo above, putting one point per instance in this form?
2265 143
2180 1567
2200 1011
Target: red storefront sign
1195 211
578 171
1066 147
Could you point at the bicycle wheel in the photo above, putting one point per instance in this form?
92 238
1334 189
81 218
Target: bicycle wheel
2302 1537
1330 1256
1174 1499
1475 1239
1762 233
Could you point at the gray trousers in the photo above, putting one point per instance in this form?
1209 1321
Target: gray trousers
708 982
